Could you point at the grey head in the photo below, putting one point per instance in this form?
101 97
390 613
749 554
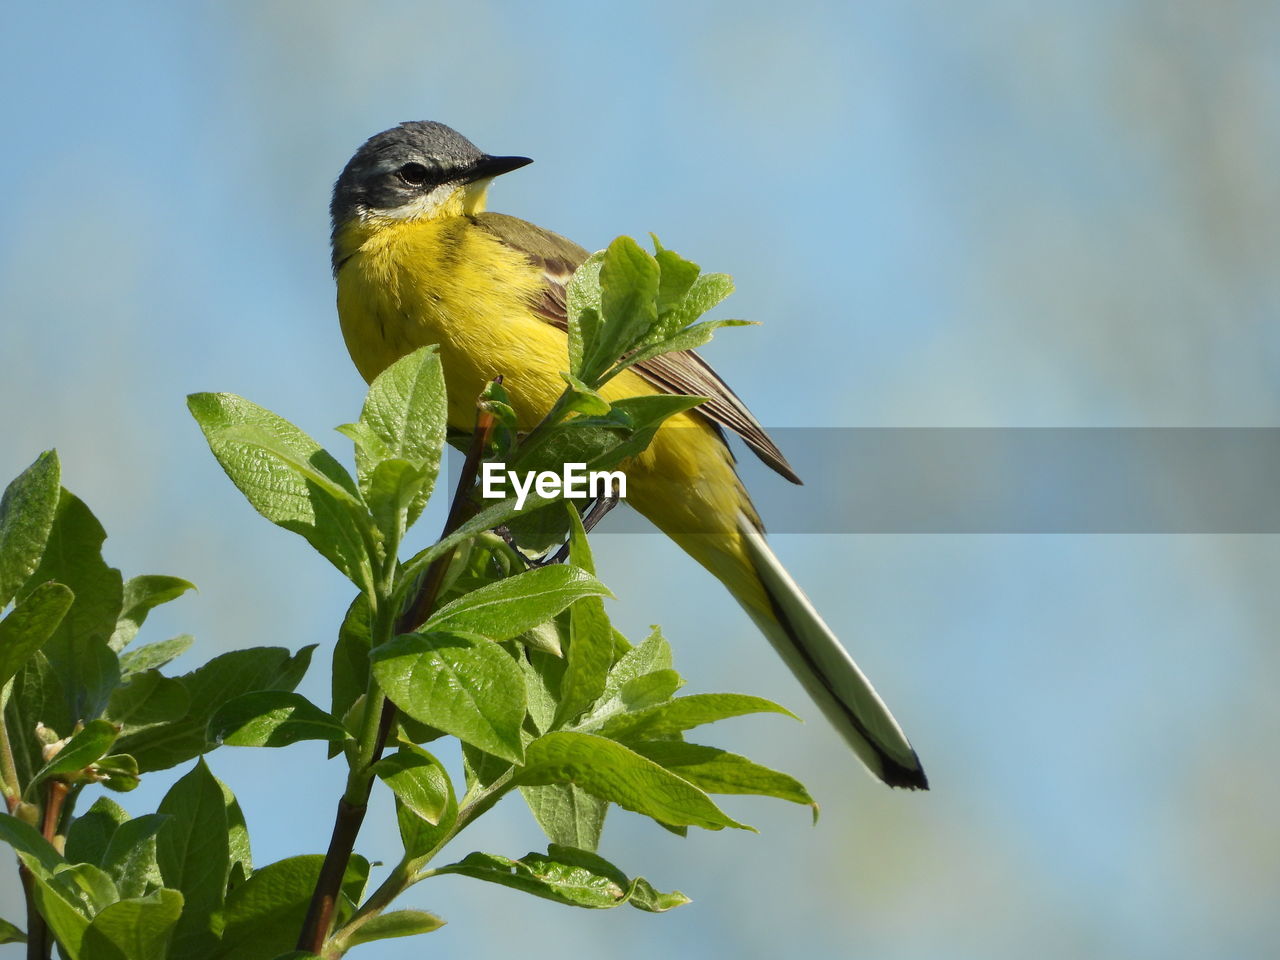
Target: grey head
401 169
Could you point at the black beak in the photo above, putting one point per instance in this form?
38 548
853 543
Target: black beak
487 167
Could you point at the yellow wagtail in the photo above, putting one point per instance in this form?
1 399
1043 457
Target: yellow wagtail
418 261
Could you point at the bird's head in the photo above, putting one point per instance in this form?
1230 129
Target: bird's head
418 170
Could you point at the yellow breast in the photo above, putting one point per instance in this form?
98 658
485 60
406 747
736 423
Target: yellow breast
407 284
445 281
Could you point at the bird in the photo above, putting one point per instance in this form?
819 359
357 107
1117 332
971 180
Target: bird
418 260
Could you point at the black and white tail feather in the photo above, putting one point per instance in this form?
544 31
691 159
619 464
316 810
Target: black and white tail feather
812 652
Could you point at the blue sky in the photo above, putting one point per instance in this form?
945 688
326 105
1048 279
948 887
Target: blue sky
1006 215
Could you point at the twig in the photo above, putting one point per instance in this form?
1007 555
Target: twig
350 815
53 809
408 872
39 946
39 943
8 768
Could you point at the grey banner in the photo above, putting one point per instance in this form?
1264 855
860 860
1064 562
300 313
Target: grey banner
1068 480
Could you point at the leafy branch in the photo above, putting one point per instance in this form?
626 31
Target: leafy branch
472 638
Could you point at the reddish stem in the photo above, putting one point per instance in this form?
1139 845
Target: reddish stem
347 823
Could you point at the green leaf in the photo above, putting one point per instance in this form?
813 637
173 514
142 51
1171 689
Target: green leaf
237 838
69 897
590 652
642 416
542 877
542 675
487 519
688 339
90 835
583 398
148 699
352 888
418 781
398 923
567 814
511 606
684 713
36 697
544 637
652 655
629 280
12 934
29 844
582 299
394 496
193 854
134 929
639 693
78 648
141 596
90 744
704 293
495 401
315 470
419 837
677 276
426 808
29 625
404 419
130 856
209 687
718 771
645 897
272 718
613 772
155 655
480 561
410 730
565 875
118 772
541 530
481 769
27 510
350 672
288 478
89 684
265 913
460 683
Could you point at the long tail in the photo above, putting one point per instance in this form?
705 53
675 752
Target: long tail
686 484
828 673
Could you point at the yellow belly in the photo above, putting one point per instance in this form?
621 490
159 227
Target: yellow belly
408 284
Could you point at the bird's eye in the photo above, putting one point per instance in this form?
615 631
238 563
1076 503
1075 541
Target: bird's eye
414 174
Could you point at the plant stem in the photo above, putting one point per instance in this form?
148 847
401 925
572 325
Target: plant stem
53 810
346 827
355 801
38 945
8 768
535 437
400 880
416 613
407 873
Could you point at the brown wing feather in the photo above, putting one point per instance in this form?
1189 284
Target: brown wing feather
686 372
683 372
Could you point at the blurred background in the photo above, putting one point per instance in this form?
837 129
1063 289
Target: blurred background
990 215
